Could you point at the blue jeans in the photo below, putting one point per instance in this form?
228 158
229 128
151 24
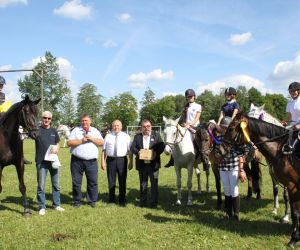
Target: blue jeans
42 170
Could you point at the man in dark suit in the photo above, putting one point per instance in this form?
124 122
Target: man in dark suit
150 142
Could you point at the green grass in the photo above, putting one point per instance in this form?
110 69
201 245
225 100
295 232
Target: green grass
114 227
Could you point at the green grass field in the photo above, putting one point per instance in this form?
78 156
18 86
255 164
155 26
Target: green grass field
114 227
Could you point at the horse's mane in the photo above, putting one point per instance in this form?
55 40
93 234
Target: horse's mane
15 107
267 129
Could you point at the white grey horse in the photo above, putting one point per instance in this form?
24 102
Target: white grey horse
179 143
64 131
260 113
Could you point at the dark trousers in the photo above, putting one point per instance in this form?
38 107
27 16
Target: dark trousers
90 168
117 166
145 173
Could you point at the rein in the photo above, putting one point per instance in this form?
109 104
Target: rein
178 131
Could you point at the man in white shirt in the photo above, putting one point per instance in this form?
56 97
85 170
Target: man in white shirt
116 147
84 142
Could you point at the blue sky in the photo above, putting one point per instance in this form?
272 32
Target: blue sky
167 45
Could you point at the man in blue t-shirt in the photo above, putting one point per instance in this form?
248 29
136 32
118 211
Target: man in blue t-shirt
48 138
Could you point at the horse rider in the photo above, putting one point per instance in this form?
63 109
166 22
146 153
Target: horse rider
190 117
293 112
231 107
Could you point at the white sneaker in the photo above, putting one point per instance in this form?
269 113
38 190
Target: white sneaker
58 208
42 211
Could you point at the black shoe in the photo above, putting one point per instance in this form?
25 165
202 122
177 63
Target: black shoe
93 204
77 205
153 206
235 217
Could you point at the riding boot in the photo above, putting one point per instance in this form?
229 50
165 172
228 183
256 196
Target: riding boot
170 163
228 206
236 208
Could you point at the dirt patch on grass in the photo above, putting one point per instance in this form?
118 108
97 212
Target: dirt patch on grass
61 237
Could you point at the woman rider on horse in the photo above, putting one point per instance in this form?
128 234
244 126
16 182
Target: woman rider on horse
190 117
231 107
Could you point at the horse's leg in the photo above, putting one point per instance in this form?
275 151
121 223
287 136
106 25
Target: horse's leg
285 218
249 177
218 185
295 213
207 172
0 179
189 184
275 194
198 174
178 183
22 187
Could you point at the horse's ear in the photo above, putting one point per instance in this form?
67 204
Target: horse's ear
251 106
164 119
37 101
262 106
177 120
27 98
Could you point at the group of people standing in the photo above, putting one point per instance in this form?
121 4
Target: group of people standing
118 150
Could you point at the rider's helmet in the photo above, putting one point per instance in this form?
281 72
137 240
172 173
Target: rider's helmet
190 92
230 91
225 121
294 86
2 80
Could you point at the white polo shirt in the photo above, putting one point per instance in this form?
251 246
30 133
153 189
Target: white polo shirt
123 145
192 110
88 150
293 107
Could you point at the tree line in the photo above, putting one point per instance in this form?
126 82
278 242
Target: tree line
59 100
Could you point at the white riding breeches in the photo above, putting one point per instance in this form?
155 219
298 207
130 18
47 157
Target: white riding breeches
230 181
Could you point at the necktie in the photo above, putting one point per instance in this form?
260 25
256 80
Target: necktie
116 146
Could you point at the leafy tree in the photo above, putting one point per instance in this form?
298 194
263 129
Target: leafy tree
68 110
122 107
55 86
275 104
88 101
180 102
242 98
149 97
155 111
255 97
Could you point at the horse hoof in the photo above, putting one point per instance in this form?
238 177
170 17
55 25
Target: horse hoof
291 243
178 202
274 211
284 220
190 203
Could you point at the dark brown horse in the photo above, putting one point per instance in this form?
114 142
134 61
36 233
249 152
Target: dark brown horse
23 113
208 143
269 139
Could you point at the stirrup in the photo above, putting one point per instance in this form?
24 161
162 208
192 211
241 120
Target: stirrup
287 149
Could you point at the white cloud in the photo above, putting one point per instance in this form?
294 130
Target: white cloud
155 75
240 39
286 72
170 94
233 81
5 3
74 10
124 18
6 67
137 85
109 44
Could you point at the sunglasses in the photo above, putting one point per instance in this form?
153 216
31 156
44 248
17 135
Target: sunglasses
147 126
47 118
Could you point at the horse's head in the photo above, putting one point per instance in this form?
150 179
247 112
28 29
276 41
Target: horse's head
234 135
28 117
256 112
170 134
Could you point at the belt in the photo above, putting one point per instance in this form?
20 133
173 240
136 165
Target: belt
115 157
80 159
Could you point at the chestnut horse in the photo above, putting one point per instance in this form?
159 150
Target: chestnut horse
23 114
269 139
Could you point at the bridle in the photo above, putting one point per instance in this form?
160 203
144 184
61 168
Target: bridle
178 132
22 117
